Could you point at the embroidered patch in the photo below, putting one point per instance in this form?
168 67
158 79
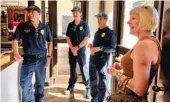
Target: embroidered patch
42 31
103 35
81 28
27 30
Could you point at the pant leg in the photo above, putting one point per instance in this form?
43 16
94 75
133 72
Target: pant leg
108 85
73 73
27 70
93 80
40 73
84 69
102 83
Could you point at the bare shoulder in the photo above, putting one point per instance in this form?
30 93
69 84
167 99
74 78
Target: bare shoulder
148 45
147 48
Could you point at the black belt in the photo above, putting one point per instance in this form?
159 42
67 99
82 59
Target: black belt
34 56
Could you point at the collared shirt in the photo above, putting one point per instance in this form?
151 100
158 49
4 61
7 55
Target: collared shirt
77 33
33 40
105 38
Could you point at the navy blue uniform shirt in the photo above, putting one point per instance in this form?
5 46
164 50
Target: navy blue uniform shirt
33 40
105 38
77 33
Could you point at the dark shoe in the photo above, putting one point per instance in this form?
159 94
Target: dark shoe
39 100
87 96
94 100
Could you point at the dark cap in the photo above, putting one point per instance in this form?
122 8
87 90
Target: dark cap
76 9
102 14
34 8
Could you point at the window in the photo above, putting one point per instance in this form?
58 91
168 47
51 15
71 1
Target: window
64 16
109 10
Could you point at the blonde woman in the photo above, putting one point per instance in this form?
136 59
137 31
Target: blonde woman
141 62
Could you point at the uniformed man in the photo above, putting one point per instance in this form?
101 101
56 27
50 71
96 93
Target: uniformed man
104 44
33 35
77 37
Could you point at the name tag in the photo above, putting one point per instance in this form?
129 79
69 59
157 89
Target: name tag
26 31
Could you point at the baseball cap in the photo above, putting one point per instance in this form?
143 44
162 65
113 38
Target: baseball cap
102 14
34 8
76 8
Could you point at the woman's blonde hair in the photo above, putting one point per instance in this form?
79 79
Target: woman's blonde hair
166 25
148 17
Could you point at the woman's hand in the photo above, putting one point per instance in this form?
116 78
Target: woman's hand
117 66
112 70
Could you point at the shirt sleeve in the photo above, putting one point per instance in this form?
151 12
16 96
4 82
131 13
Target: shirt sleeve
87 31
112 46
49 35
18 33
68 31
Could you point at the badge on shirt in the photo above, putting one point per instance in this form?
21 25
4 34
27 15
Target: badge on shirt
27 30
42 31
103 35
81 28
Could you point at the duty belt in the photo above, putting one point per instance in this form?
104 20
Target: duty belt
33 56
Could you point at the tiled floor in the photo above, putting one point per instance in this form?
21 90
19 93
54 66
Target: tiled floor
55 93
63 61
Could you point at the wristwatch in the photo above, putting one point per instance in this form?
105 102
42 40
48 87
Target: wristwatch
101 48
49 56
119 74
